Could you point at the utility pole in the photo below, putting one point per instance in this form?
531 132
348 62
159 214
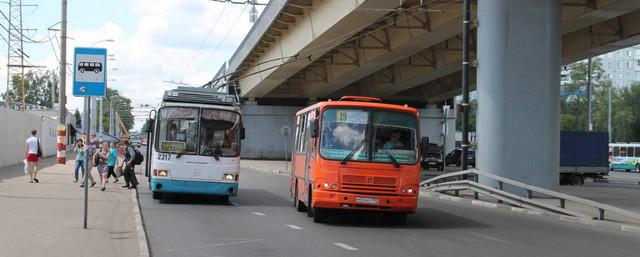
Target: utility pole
589 122
609 127
101 127
62 98
466 36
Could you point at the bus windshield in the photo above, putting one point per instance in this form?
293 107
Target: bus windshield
372 135
219 132
209 132
177 129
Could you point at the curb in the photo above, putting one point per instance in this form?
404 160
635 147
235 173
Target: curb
582 221
143 244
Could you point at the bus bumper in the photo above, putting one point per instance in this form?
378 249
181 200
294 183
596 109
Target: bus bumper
193 187
351 201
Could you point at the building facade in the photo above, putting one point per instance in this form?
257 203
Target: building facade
622 67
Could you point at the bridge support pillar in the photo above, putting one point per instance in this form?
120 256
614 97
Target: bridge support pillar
519 45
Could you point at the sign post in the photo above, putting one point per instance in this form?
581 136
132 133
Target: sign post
89 79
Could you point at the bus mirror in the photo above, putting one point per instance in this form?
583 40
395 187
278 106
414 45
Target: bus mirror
149 129
314 128
424 145
242 133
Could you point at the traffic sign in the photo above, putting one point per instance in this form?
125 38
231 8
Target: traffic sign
90 72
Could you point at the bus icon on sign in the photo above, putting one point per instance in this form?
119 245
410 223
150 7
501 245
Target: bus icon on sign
90 66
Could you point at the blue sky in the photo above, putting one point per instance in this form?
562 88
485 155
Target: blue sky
154 40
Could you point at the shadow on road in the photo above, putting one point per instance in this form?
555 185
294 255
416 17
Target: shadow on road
192 199
423 218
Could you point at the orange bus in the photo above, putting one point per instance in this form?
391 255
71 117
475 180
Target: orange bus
356 154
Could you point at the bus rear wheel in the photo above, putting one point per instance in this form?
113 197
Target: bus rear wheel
638 167
296 202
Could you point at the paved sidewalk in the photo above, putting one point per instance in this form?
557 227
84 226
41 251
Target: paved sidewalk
46 219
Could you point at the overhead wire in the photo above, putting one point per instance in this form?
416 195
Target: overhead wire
223 39
215 24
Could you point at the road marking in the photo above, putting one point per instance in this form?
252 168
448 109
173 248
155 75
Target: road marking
488 237
346 246
293 226
240 242
259 213
627 228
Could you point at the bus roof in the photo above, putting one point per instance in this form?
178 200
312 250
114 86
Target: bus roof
360 104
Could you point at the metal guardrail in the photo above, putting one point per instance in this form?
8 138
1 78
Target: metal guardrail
458 181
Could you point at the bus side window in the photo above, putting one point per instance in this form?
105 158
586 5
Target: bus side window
623 152
637 151
616 151
631 152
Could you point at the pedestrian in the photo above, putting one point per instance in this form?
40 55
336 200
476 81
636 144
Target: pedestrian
90 150
129 157
112 160
100 159
80 158
33 153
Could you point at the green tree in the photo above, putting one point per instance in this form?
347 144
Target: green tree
626 114
76 114
37 88
121 105
574 100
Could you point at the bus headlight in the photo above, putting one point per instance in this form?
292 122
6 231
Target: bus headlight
409 190
229 177
331 186
163 173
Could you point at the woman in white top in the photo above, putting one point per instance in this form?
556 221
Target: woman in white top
32 154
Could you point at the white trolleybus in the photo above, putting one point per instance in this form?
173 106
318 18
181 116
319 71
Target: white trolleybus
195 144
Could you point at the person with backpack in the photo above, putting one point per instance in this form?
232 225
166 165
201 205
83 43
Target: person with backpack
130 158
33 153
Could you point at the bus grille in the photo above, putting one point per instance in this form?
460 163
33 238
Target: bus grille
368 184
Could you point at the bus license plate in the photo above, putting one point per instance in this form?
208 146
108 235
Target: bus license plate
367 200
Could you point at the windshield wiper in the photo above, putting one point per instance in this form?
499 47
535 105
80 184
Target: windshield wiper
215 156
348 157
393 159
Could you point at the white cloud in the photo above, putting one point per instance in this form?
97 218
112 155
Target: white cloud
164 42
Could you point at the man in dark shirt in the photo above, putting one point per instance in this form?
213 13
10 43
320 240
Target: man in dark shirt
129 175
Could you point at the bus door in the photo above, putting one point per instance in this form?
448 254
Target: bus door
312 127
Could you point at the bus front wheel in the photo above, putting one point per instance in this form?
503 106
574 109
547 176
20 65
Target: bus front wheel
309 205
638 167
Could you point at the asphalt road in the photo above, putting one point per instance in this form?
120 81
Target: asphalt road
262 222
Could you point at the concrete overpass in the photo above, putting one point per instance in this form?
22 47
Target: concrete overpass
410 50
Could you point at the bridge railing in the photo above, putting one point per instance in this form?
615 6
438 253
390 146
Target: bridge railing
468 180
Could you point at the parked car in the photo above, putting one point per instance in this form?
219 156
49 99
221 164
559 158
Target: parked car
455 157
433 160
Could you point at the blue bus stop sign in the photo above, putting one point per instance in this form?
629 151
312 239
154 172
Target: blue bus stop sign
90 72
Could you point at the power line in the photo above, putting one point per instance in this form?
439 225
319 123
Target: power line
215 24
223 40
